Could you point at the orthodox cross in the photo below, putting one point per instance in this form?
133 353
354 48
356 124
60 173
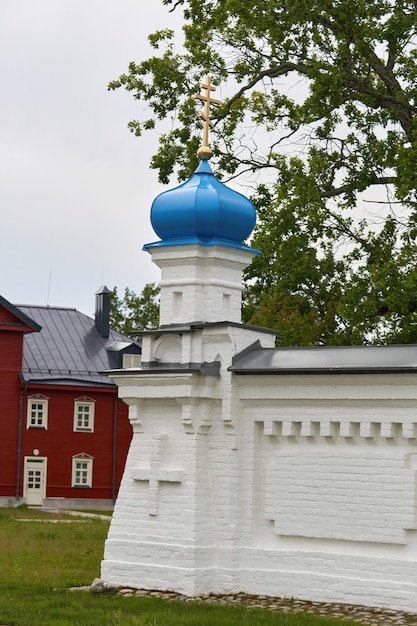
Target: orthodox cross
154 475
205 151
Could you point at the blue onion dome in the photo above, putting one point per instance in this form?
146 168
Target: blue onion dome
202 210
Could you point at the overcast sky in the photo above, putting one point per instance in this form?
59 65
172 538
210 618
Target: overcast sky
75 186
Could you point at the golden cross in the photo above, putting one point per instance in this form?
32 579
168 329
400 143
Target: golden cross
204 150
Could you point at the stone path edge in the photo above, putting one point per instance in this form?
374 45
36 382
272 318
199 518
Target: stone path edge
365 616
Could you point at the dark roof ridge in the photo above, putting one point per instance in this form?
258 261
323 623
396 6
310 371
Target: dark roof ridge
17 312
48 306
330 359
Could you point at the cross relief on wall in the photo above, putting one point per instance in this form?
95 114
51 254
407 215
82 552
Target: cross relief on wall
154 474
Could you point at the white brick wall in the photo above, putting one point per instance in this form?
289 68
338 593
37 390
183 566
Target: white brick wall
200 283
351 494
294 486
299 486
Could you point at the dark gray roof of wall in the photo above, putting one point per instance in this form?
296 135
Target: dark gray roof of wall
192 326
69 348
325 359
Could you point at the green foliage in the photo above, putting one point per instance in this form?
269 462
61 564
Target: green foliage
320 118
39 560
134 313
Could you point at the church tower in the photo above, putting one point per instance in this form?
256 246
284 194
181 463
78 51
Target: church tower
201 224
175 523
285 472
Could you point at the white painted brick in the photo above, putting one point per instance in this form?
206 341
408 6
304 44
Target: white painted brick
291 429
410 430
296 486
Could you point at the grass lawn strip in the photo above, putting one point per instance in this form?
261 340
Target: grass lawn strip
54 521
39 563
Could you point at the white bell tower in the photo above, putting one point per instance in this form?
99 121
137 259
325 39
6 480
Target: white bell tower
174 517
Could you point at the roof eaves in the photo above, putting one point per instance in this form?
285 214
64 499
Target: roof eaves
325 360
205 369
99 381
324 370
28 321
193 326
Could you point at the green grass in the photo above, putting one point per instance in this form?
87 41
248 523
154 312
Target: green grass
98 512
39 561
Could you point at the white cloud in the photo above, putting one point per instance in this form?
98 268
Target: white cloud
76 189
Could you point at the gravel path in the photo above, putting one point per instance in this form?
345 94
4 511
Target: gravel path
360 614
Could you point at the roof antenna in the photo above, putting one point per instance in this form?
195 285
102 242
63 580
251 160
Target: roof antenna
49 287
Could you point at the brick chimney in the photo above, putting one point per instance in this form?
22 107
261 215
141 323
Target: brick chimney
102 314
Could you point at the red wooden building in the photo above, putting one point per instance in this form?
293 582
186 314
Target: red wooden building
65 432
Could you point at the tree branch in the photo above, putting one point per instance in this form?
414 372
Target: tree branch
337 191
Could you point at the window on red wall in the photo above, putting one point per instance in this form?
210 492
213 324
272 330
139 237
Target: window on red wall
84 414
82 471
37 411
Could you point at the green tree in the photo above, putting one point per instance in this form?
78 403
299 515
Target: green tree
133 313
320 118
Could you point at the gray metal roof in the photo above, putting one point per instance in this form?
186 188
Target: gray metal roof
69 349
325 359
211 368
192 326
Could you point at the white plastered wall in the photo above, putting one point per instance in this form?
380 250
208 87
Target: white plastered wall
200 283
178 502
299 486
330 488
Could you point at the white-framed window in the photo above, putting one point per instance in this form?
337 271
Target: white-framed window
84 415
132 360
82 471
37 411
